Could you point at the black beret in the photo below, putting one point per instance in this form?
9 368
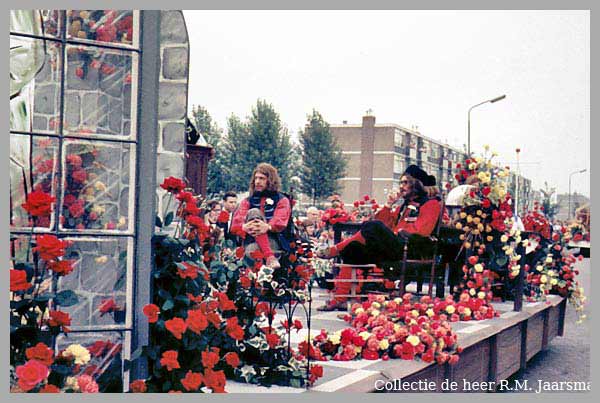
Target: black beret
418 173
430 181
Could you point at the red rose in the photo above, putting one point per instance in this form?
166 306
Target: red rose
75 160
39 204
79 72
215 380
50 247
486 203
232 359
209 359
186 197
59 319
49 388
31 374
192 381
215 319
196 321
317 371
61 267
79 175
138 386
297 324
190 271
42 353
76 209
18 280
169 360
245 281
176 326
273 340
108 305
151 311
239 252
173 185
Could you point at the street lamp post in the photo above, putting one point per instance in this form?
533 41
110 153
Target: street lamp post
570 175
501 97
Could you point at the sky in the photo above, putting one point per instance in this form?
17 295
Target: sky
411 68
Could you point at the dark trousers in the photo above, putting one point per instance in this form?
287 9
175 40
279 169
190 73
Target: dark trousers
382 245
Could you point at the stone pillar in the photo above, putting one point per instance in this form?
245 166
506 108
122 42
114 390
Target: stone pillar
172 102
367 141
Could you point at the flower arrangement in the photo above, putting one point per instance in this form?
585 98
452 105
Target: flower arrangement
391 329
333 216
364 209
553 271
211 298
536 221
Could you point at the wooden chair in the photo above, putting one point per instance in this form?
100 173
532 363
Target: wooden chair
421 265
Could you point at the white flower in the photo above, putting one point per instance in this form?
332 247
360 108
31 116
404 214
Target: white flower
80 353
269 201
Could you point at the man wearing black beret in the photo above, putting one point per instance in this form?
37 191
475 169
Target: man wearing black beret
383 238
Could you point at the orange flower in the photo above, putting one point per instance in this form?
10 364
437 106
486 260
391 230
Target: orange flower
196 321
215 380
233 329
232 359
169 360
42 353
138 386
151 311
192 381
176 326
209 359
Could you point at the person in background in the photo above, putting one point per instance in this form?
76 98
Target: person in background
314 214
230 204
383 238
265 195
211 217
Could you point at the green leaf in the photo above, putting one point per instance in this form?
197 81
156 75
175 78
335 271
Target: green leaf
164 294
66 298
168 218
168 305
158 222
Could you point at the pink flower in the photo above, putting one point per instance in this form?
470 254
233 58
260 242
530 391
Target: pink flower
87 384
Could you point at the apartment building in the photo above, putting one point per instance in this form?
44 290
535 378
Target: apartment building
378 154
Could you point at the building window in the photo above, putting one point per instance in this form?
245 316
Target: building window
398 138
399 162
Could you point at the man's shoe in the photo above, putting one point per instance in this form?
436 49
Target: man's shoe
273 263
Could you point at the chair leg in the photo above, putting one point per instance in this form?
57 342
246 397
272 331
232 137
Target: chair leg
431 277
403 269
419 281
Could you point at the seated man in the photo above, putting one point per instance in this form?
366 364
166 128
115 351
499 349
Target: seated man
265 195
383 239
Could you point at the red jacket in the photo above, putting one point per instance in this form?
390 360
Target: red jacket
278 222
415 219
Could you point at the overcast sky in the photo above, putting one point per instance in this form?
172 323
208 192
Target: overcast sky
412 68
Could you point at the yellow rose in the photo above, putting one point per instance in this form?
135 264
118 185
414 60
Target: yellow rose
543 279
359 311
504 238
481 295
478 268
376 305
554 281
548 259
365 335
472 292
80 353
467 312
335 338
414 313
384 344
398 300
414 340
71 383
450 309
430 312
101 259
375 312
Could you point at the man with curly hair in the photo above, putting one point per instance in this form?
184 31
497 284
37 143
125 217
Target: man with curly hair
268 234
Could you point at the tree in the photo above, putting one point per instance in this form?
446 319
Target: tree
550 209
262 138
217 180
322 162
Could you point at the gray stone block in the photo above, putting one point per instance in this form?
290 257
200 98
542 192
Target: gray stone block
90 82
126 127
45 98
40 123
124 202
175 63
173 137
95 111
127 102
99 277
169 165
172 27
80 312
172 100
72 109
110 157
